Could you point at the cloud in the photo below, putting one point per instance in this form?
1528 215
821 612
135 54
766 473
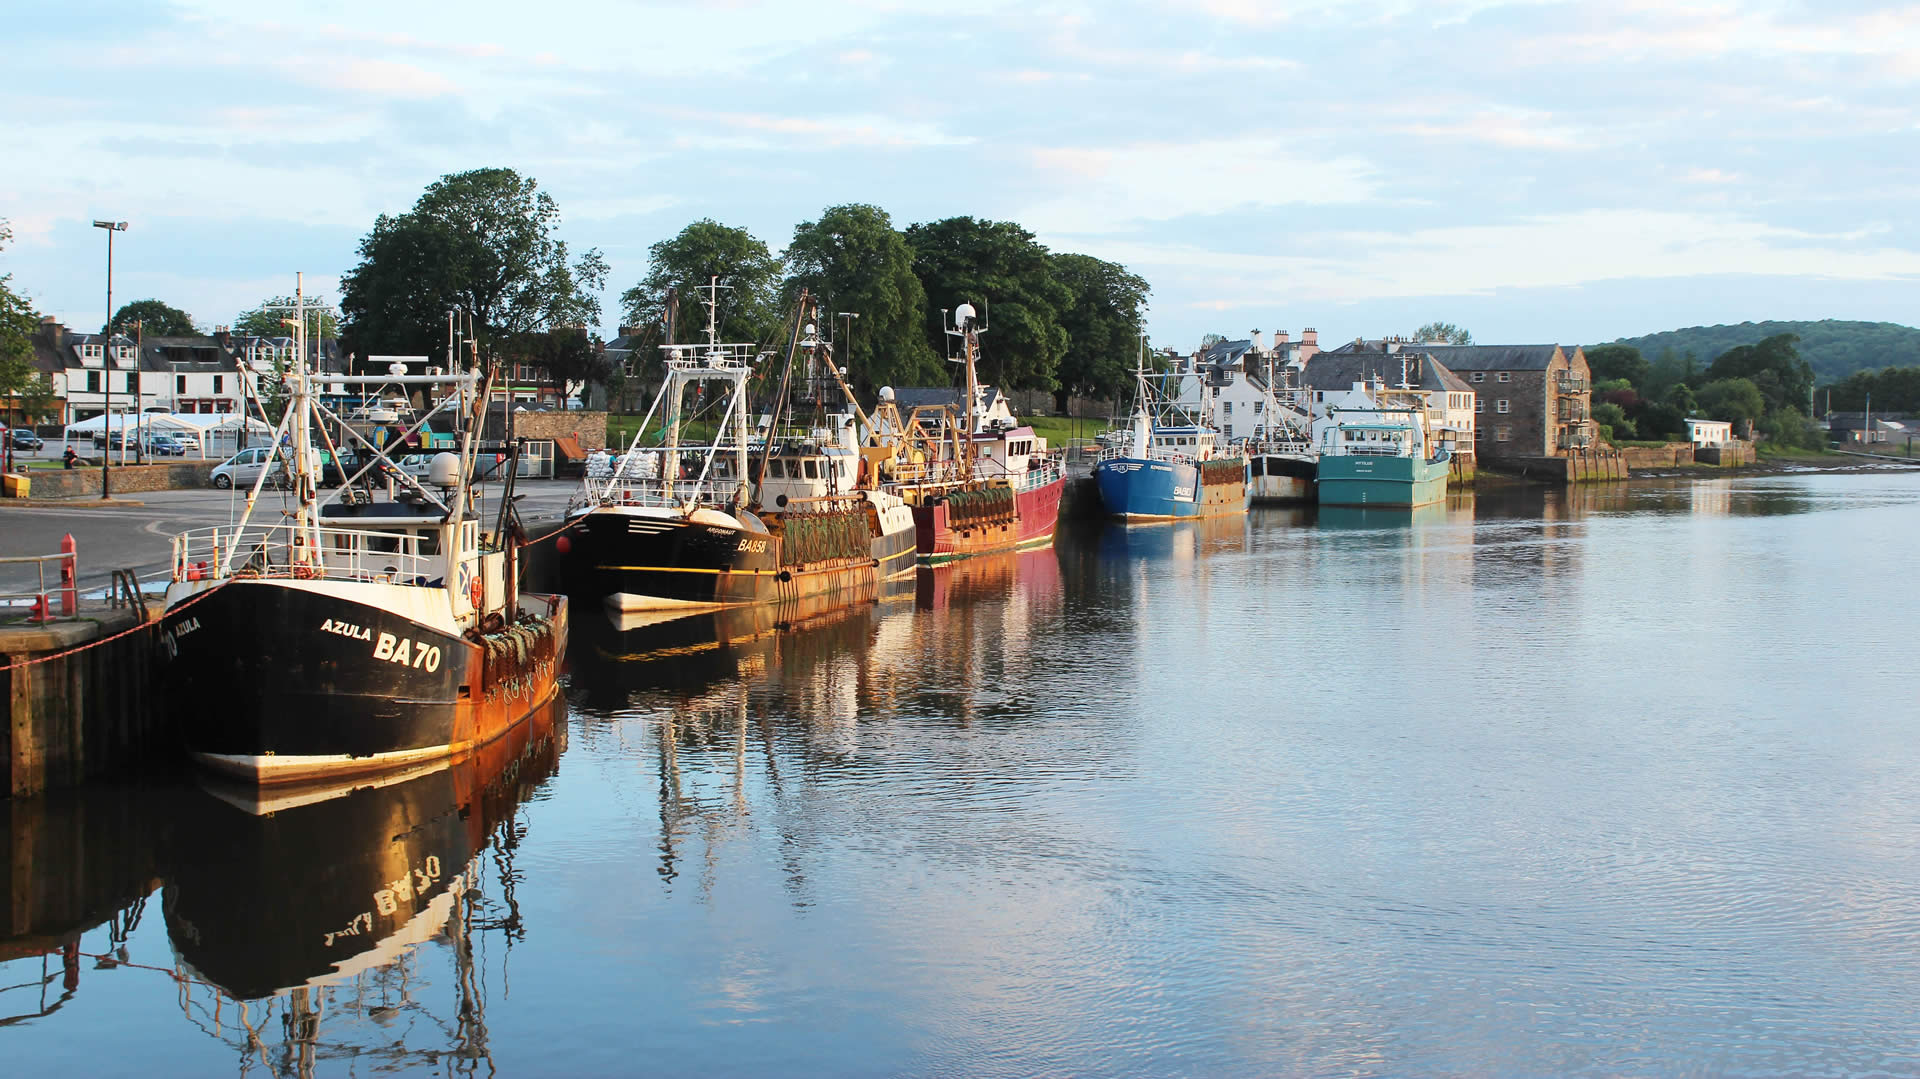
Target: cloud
388 78
1560 251
759 129
1102 190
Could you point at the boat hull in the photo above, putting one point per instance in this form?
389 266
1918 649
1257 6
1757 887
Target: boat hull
312 884
943 536
1363 480
283 681
1275 479
646 563
1146 489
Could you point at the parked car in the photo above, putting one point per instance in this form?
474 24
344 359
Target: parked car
23 439
166 445
244 468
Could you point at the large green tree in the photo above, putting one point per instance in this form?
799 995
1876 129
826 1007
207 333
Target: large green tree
853 259
155 319
21 386
681 267
1774 366
1005 273
272 317
1736 400
1443 333
1609 362
1103 316
485 242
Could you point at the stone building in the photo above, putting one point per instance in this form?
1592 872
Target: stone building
1531 400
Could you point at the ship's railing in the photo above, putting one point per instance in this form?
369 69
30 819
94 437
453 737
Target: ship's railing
656 492
1290 447
1042 469
1154 453
942 471
286 551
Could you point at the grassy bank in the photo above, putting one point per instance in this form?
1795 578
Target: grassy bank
1060 430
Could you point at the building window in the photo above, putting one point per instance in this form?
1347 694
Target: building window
1502 434
179 384
1479 376
220 380
93 382
132 385
1256 407
1504 377
1480 406
1501 406
1226 408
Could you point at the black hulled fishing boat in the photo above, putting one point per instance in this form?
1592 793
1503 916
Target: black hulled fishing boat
355 634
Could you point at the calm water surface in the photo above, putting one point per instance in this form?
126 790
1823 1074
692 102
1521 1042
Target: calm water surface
1616 782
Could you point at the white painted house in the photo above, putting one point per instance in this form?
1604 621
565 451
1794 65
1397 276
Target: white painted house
1709 433
1227 383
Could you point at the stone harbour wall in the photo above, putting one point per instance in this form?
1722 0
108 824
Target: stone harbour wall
84 482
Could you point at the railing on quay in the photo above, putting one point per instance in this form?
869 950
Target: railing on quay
284 552
64 592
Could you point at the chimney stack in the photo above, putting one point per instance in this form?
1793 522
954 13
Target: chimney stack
1309 336
1257 346
1279 339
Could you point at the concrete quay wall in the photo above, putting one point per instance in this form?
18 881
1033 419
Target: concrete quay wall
72 716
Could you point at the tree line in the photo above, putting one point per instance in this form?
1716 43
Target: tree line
485 242
1834 348
1765 387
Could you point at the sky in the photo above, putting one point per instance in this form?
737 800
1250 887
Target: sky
1534 171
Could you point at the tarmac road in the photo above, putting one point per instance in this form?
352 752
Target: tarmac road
140 537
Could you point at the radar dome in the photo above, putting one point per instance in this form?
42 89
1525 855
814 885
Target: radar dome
444 470
963 315
886 393
396 368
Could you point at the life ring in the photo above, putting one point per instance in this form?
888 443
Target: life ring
476 592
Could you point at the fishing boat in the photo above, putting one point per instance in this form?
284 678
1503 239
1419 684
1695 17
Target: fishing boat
356 633
686 526
977 484
1281 461
1379 457
809 475
1173 463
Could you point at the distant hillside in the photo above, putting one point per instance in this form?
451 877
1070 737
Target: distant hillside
1835 349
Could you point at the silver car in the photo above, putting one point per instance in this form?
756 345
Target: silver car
245 467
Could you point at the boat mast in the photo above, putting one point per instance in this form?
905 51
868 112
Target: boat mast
968 330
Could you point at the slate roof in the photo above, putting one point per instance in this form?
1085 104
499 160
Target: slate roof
1340 370
1472 357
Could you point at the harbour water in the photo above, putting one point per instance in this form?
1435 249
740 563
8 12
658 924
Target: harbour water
1610 781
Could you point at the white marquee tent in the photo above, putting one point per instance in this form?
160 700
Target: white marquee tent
218 434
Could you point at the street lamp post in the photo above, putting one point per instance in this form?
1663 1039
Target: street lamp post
106 361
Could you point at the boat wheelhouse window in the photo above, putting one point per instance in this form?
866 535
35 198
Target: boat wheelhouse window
813 469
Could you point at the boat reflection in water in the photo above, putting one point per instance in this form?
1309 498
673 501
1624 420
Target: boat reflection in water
624 653
318 898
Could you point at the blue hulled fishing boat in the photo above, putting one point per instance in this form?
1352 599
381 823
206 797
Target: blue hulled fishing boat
1172 464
